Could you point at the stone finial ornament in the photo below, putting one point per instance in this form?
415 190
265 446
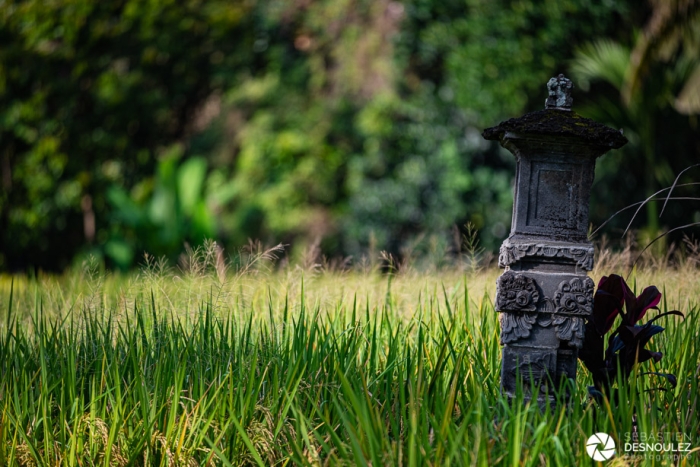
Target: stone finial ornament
559 93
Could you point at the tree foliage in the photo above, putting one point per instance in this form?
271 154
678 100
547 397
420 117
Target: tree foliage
351 123
374 137
89 93
648 88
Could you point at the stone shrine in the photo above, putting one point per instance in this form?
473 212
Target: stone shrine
545 295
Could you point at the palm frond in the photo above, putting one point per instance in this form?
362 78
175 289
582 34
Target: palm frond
688 101
670 22
603 60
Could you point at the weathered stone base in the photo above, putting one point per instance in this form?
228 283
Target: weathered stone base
543 307
539 372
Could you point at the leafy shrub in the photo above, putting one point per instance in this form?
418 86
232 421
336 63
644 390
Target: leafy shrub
626 345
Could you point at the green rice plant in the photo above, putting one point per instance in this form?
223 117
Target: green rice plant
175 368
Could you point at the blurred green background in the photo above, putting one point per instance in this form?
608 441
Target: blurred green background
132 126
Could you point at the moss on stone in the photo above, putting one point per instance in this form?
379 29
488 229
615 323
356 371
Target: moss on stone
559 123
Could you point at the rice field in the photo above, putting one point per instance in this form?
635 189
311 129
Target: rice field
230 365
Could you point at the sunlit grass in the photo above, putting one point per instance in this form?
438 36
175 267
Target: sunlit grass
208 366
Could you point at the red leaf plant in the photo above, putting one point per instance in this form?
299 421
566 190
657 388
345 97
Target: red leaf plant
626 345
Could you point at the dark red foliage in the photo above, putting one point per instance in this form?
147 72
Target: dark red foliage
626 345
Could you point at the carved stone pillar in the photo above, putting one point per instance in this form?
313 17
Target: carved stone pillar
545 295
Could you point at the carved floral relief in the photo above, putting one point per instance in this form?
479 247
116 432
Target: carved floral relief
516 326
570 328
511 253
575 297
516 292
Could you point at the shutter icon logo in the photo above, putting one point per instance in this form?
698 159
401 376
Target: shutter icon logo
600 447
